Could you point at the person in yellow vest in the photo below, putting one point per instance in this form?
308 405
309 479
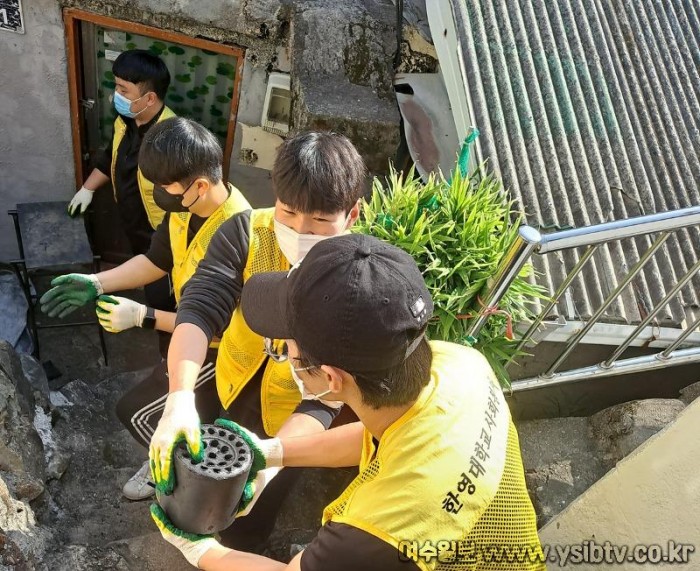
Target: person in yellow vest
441 484
184 160
318 179
142 80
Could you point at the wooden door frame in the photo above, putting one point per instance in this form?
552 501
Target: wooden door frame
71 17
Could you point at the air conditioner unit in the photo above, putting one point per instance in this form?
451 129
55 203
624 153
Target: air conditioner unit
278 104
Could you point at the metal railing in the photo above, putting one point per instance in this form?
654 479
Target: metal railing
530 241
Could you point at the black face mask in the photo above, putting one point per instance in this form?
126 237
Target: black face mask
171 202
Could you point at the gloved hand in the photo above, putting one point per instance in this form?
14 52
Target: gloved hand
82 200
179 422
191 545
267 462
253 489
70 292
116 314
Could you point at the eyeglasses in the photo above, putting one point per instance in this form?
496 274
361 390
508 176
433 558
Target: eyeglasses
276 350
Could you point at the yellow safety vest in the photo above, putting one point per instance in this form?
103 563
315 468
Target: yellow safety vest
155 214
446 484
186 258
241 351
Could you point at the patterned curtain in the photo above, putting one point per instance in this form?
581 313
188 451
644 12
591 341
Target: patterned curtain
201 84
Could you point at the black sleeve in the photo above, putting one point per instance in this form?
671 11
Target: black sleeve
159 252
212 293
343 547
103 160
324 414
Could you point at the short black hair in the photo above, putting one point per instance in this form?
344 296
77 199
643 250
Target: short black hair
398 386
318 171
144 69
180 150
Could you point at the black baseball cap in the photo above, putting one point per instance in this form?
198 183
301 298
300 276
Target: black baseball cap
354 302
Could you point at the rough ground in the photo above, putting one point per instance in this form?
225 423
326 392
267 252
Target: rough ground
61 506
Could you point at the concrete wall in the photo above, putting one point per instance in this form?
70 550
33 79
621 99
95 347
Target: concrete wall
650 498
36 159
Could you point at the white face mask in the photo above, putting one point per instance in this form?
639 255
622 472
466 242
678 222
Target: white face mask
306 395
295 246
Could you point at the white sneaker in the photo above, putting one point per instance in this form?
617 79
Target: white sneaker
139 486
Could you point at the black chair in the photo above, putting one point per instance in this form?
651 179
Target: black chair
47 238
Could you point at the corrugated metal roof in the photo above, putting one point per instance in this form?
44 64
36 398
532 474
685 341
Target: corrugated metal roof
590 111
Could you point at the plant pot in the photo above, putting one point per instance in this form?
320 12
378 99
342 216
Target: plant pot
206 495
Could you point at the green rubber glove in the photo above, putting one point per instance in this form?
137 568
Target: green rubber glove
267 454
192 546
69 292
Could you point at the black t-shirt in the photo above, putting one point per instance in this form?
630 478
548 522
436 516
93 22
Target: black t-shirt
130 205
342 547
160 252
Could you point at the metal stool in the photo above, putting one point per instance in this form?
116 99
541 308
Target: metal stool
47 238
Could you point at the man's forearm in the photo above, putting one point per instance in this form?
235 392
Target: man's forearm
335 448
136 272
96 179
222 558
165 320
300 424
187 352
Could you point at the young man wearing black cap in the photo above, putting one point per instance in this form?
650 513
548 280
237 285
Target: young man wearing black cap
441 482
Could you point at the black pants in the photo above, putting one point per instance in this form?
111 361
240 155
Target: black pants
140 409
160 295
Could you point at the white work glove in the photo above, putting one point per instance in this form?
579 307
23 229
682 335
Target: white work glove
192 546
180 421
268 457
82 200
262 479
119 313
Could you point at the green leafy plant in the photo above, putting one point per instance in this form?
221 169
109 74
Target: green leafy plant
458 231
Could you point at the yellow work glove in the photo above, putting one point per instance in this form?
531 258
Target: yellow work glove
179 422
191 545
116 313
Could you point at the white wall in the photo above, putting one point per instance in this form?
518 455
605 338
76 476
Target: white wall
650 498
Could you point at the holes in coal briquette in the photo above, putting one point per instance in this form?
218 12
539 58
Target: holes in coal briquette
211 431
212 455
214 443
228 457
223 434
217 470
239 445
225 449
